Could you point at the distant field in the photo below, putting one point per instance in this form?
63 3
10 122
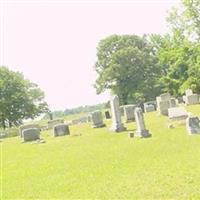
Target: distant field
99 164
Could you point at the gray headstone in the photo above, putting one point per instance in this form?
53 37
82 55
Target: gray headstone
191 99
177 113
149 107
60 130
129 113
97 120
192 125
31 134
27 126
52 123
107 114
117 125
139 118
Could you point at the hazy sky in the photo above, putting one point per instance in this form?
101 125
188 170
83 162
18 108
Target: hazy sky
54 42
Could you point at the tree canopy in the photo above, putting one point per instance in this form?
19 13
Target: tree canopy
19 98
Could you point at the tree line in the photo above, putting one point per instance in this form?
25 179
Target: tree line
138 68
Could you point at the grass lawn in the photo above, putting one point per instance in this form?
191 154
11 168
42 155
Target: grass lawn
100 164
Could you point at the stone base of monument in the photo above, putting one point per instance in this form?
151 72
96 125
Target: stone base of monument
118 128
143 133
98 125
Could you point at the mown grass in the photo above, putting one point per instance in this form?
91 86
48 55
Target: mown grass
99 164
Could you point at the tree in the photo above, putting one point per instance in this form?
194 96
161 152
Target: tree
19 98
185 19
127 65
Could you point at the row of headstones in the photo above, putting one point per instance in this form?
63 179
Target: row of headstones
31 132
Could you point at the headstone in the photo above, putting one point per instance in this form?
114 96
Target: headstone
192 99
89 118
163 107
30 134
97 120
107 114
27 126
117 125
188 92
139 118
149 107
165 97
177 113
129 113
192 124
52 123
60 130
173 102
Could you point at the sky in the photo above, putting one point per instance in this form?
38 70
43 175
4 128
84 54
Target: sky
53 42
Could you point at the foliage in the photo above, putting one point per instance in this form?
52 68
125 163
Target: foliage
19 98
185 19
126 64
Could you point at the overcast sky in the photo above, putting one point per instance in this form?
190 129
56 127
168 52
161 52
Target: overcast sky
53 43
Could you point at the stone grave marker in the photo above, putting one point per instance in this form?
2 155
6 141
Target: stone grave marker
139 118
97 119
60 130
192 125
30 134
117 125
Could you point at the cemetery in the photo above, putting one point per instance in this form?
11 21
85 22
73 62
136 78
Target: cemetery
100 100
108 151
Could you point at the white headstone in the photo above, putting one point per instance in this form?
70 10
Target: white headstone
139 118
188 92
177 113
117 125
27 126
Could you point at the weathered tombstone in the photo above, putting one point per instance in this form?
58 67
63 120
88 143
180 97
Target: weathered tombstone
173 102
163 103
129 113
177 113
97 120
107 114
192 124
117 125
89 118
27 126
52 123
149 107
139 118
60 130
30 134
190 98
188 92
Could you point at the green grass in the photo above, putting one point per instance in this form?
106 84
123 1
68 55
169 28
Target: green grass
100 164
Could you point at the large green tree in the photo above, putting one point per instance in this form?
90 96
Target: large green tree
126 64
19 98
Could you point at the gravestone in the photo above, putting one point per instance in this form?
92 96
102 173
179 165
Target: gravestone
52 123
190 98
173 102
30 134
27 126
129 113
60 130
149 107
97 120
89 118
163 103
192 125
117 125
139 118
107 114
177 113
